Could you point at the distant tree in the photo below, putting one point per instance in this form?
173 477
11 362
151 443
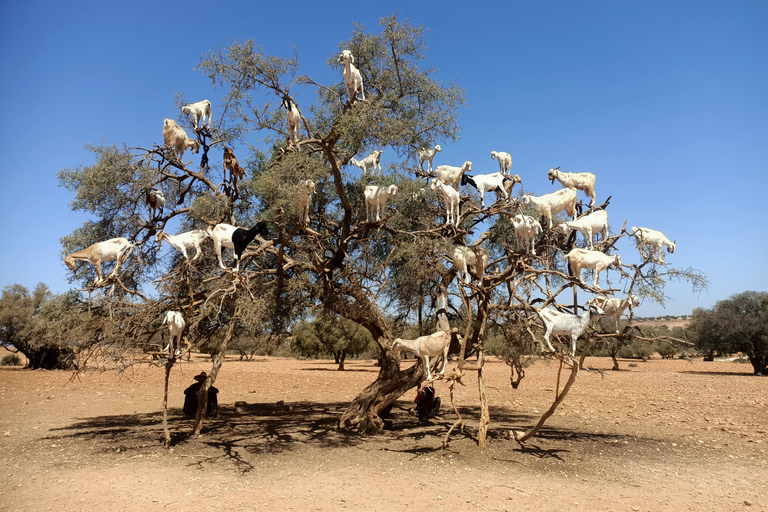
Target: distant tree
26 326
332 335
737 324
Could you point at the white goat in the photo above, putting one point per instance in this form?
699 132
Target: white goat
615 307
304 199
595 222
198 111
352 76
427 155
487 183
551 204
566 324
505 161
372 161
508 185
176 139
294 118
375 197
464 257
96 254
451 175
176 324
584 258
432 345
584 181
155 201
184 241
452 201
526 227
655 239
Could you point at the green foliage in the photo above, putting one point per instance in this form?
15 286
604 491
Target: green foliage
737 324
329 335
10 360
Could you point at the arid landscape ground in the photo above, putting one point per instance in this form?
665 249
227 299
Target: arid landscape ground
658 435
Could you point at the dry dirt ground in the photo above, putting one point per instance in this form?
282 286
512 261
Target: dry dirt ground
659 435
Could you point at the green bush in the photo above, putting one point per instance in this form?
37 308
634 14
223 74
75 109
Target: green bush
11 360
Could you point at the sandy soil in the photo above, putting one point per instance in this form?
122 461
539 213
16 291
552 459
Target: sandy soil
660 435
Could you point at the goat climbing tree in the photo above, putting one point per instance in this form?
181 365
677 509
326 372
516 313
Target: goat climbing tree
338 261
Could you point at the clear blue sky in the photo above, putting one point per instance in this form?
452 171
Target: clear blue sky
665 101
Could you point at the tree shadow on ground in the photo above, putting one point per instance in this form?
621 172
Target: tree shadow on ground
243 433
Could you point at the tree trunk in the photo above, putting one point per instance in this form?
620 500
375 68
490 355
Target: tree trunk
202 394
362 415
168 365
340 356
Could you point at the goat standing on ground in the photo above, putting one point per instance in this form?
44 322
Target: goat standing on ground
427 155
584 258
487 183
465 257
425 347
372 161
155 202
304 199
294 118
505 161
375 197
96 254
584 181
176 139
352 76
184 241
526 228
198 111
452 201
551 204
655 239
589 225
569 324
176 324
615 307
236 239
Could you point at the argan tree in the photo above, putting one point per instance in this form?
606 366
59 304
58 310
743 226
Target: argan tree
338 261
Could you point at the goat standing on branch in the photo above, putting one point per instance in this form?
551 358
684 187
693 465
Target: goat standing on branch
372 161
176 324
427 155
487 183
176 139
465 257
184 241
425 347
352 76
375 197
233 166
155 202
236 239
96 254
451 175
452 201
584 181
654 239
198 111
568 324
505 161
304 199
589 225
583 258
526 228
615 307
551 204
294 119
